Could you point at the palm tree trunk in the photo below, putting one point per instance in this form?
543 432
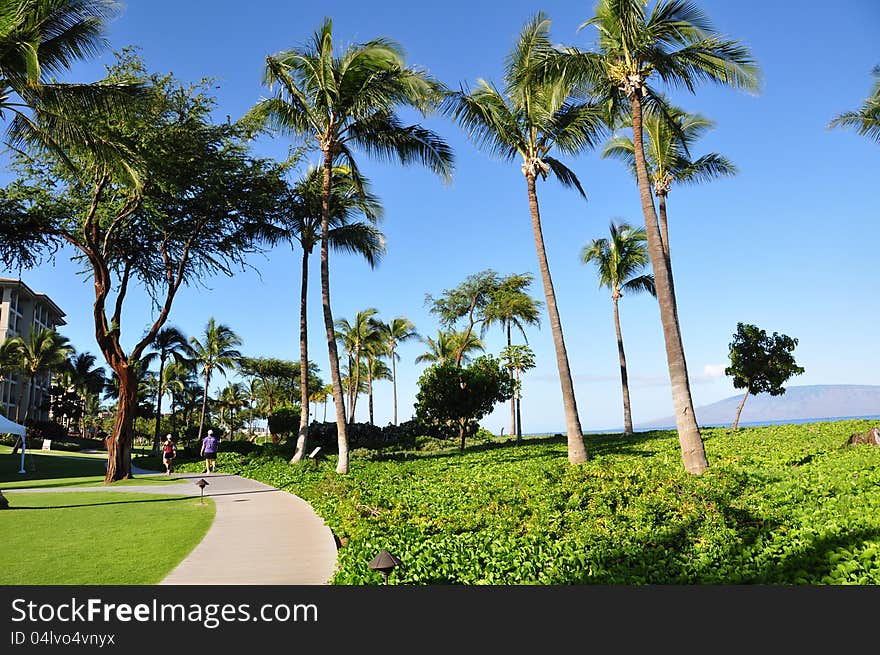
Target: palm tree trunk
204 404
24 388
624 383
692 451
661 202
303 434
513 423
577 449
518 415
120 440
338 401
740 408
155 450
394 384
370 390
356 385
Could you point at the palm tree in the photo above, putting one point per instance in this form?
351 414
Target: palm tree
40 39
178 379
376 370
448 346
168 342
670 136
357 338
232 398
87 380
866 120
528 119
620 261
342 102
512 307
518 359
304 227
41 353
676 42
216 352
399 330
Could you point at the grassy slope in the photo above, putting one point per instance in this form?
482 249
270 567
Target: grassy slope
779 505
98 538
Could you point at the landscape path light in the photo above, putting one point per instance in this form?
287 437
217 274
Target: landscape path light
384 562
201 484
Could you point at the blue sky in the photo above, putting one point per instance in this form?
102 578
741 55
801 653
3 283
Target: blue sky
789 244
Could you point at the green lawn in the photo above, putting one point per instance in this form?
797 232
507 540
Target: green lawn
98 538
60 469
75 537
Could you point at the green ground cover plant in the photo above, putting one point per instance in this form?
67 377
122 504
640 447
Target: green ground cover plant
787 504
74 538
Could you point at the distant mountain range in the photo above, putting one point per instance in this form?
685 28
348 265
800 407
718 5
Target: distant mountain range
819 401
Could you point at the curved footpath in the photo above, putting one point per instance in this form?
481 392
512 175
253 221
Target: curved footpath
260 535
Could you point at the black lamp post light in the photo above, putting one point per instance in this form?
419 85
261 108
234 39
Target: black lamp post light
201 484
384 562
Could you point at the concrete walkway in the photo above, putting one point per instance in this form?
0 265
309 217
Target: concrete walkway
260 535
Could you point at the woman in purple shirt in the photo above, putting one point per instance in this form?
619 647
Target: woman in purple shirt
209 452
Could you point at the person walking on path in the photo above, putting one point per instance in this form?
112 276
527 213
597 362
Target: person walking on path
209 452
169 452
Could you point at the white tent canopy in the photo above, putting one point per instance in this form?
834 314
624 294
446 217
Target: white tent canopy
10 427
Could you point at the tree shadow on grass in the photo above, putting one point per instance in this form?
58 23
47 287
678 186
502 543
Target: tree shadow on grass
171 499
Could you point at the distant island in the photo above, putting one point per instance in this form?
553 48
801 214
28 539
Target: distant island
798 403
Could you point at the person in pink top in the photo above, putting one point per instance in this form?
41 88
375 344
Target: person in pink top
209 452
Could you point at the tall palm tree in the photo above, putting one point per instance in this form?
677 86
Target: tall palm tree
527 119
866 120
216 352
376 370
448 345
303 226
670 134
87 380
620 261
399 330
231 398
343 102
675 42
168 342
358 337
178 380
518 359
511 307
41 353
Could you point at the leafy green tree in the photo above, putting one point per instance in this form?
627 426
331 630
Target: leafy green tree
866 120
620 261
518 359
231 399
528 119
198 209
168 342
457 397
468 301
672 40
343 102
399 330
215 352
760 363
376 370
302 225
